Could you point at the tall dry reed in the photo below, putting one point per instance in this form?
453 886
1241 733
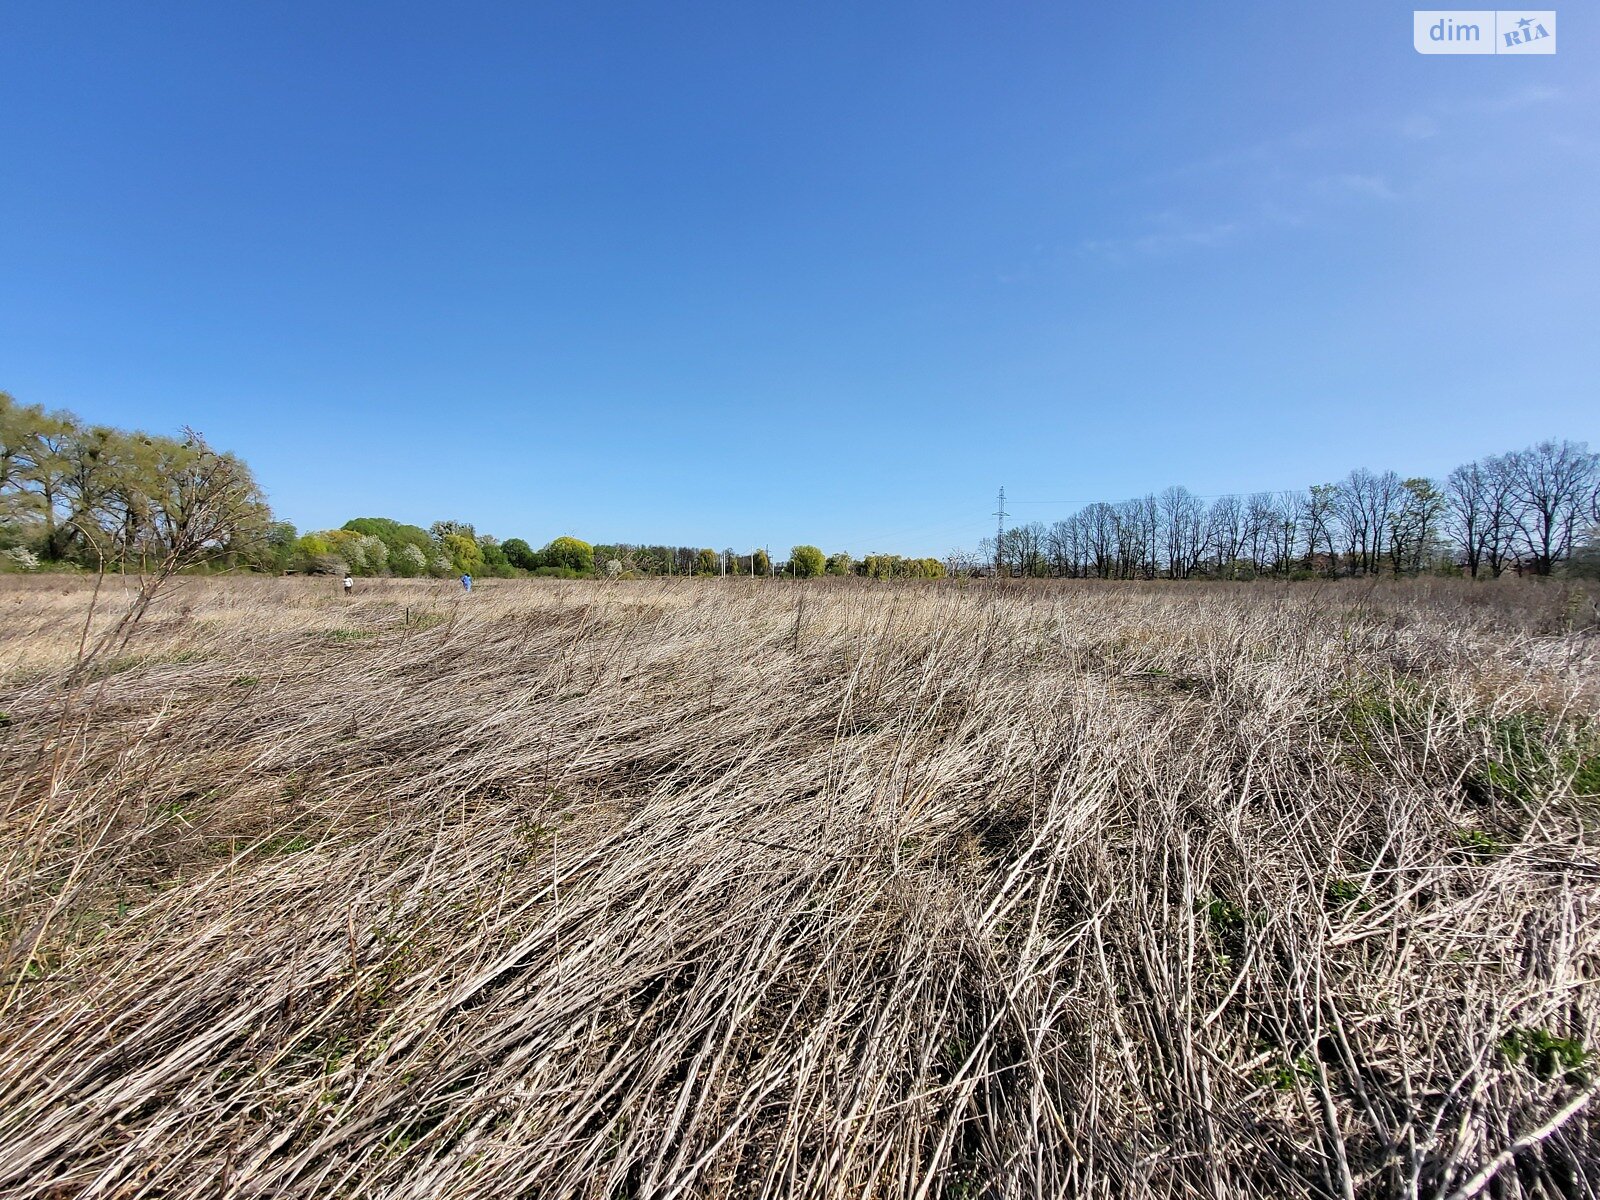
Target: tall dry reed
735 888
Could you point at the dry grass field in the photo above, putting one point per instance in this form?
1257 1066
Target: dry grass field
736 889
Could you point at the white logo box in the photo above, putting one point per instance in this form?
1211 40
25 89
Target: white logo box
1484 31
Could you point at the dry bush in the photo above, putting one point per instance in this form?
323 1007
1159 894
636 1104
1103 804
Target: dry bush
739 888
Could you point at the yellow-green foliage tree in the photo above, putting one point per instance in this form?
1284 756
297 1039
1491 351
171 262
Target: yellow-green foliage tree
893 566
102 496
705 563
463 552
569 553
806 562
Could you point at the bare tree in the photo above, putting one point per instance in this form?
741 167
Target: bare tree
1365 502
1414 524
1467 511
1183 524
1285 531
1225 533
1523 509
1260 515
1554 485
1319 511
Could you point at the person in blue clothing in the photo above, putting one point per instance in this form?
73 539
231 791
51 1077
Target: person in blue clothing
466 583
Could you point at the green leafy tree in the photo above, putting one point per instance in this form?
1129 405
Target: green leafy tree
521 555
705 563
806 562
839 564
192 505
409 562
314 555
464 553
569 553
395 537
760 563
362 553
20 430
495 561
109 497
39 446
277 551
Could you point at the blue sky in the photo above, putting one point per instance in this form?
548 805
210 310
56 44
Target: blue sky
758 274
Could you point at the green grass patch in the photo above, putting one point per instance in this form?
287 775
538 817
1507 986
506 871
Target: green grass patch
1341 893
120 665
1479 844
1585 774
1519 766
1528 759
286 845
1291 1074
1545 1054
1225 918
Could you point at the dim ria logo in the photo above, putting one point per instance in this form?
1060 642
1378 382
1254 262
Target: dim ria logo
1484 31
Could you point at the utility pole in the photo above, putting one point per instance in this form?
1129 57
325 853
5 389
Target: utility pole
1000 533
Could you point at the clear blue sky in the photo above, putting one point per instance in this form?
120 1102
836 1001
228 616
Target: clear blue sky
757 273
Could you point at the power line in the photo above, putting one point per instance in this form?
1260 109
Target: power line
1196 495
1000 531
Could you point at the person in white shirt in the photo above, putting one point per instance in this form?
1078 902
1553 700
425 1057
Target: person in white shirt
349 585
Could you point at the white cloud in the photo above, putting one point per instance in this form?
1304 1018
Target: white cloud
1276 183
1160 242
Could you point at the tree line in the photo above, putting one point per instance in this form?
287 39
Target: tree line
380 546
92 495
79 494
1529 511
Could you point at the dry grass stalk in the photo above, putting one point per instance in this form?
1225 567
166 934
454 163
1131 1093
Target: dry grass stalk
685 889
